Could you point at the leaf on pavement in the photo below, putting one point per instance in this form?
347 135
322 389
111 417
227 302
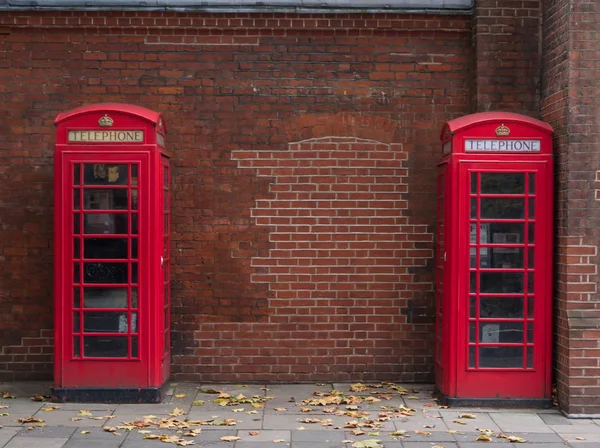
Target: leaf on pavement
281 409
85 432
371 443
460 422
84 413
423 433
177 412
180 395
466 416
253 433
109 428
50 408
30 420
198 403
483 438
7 395
278 441
229 438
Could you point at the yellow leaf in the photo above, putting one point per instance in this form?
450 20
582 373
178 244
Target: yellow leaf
177 412
301 428
278 440
152 437
280 409
198 403
184 442
50 408
459 422
229 438
85 432
252 412
258 405
423 433
398 433
3 407
373 434
358 387
516 439
483 438
4 414
238 410
30 420
127 428
305 409
75 419
144 431
412 397
466 416
180 395
84 413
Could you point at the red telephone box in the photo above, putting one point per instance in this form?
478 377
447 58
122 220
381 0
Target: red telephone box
494 261
111 255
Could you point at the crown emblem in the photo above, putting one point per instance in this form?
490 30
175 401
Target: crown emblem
502 131
105 121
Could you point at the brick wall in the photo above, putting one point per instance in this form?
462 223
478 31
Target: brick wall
253 103
506 42
570 87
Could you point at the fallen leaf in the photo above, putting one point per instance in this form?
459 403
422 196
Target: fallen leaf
144 431
238 410
85 432
50 408
278 441
513 439
3 407
281 409
357 432
84 413
252 412
76 419
30 420
358 387
398 433
373 434
428 426
466 415
180 395
126 428
371 443
8 395
305 409
38 397
423 433
459 422
229 438
579 438
253 433
412 397
177 412
109 429
301 428
198 403
184 442
4 414
483 438
265 388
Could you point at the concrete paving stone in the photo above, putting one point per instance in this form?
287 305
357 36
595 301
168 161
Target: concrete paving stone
47 431
411 436
7 433
537 437
253 422
92 443
94 408
418 423
25 442
555 419
322 444
214 435
99 433
583 444
292 422
12 419
318 436
520 422
265 436
468 437
23 407
145 409
424 444
481 421
576 426
60 418
587 437
240 444
494 443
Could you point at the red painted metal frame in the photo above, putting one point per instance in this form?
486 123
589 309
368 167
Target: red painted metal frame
454 378
151 368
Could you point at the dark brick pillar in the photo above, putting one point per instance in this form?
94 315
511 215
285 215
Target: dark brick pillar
506 43
569 103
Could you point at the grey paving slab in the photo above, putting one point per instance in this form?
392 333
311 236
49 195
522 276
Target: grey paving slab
93 443
573 438
12 419
576 426
318 437
265 436
94 408
322 444
419 423
23 406
292 422
424 444
520 422
97 433
411 436
555 419
60 418
7 433
494 443
538 437
25 442
481 421
47 431
214 435
145 409
240 444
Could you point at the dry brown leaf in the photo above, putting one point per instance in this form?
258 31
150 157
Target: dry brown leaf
579 438
76 419
483 438
238 410
30 420
281 409
229 438
423 433
177 412
109 428
180 395
357 432
466 415
459 422
278 441
84 413
305 409
50 408
253 433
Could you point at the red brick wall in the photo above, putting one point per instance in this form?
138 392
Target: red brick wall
253 104
506 42
569 92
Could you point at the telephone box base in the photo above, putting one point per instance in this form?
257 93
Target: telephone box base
530 403
107 395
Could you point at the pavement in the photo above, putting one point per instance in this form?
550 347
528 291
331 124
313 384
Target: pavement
281 416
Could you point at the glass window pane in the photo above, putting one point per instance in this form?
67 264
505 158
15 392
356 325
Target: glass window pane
105 223
76 326
472 351
501 282
530 258
473 282
502 332
105 347
134 272
530 282
76 248
134 347
532 183
505 257
106 199
165 176
530 332
166 200
472 332
531 233
105 297
134 199
105 322
166 224
104 174
105 248
502 208
76 346
474 208
502 183
531 208
473 183
76 199
76 297
134 174
76 273
134 248
76 174
501 307
134 298
501 357
473 306
105 272
134 322
529 357
76 223
530 306
503 233
134 223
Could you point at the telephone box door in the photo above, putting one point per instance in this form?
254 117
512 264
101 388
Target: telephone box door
503 320
105 264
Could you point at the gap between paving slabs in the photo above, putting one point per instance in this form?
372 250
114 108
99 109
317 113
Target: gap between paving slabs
364 425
